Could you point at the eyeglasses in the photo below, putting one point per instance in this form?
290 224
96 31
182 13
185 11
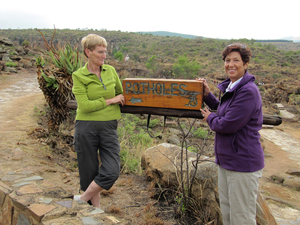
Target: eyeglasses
102 83
237 46
103 52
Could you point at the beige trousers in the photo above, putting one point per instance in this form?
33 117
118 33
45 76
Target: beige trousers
237 195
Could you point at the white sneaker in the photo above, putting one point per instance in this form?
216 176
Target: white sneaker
77 199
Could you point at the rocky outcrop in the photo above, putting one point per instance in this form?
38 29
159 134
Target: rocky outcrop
162 164
6 41
20 57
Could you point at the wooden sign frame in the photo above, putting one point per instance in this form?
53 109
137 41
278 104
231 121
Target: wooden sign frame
163 93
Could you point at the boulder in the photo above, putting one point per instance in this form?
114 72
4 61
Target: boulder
2 65
6 41
25 63
5 58
3 50
293 183
20 50
162 164
294 172
174 139
10 69
15 58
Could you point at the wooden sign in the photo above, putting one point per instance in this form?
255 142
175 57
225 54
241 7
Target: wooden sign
163 93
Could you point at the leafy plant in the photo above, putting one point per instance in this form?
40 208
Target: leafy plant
11 64
200 133
294 99
152 64
40 61
119 56
66 59
185 68
133 141
25 43
51 81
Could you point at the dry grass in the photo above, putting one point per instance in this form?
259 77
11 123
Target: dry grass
114 209
108 192
150 216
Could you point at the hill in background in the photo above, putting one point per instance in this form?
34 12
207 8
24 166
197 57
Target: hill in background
174 56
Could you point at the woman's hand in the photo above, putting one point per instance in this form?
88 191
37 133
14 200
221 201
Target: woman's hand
119 99
205 86
205 113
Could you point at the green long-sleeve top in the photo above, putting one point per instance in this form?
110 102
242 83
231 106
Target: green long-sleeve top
91 93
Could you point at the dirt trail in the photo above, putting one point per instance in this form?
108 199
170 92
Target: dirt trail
20 101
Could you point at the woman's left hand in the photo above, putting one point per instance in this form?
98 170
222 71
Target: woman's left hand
205 113
119 99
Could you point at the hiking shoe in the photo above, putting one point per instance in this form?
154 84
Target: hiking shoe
77 199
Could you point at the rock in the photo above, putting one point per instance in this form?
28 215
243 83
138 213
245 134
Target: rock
5 58
15 58
294 172
293 183
10 69
174 131
162 164
2 65
24 63
3 50
32 53
6 41
139 72
174 139
20 50
277 179
263 213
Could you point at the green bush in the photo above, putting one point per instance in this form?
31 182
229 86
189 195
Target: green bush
11 64
294 99
66 59
200 133
25 43
185 68
119 56
134 141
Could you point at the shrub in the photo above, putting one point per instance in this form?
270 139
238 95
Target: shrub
200 133
134 141
184 68
25 43
11 64
119 56
294 99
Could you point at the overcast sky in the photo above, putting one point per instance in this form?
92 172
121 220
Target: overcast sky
257 19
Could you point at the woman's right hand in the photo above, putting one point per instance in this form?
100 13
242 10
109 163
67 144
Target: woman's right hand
205 86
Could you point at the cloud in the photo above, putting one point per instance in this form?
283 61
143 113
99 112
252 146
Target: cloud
22 20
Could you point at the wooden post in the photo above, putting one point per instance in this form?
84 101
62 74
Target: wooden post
267 119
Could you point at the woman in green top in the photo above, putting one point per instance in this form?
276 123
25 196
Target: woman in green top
98 92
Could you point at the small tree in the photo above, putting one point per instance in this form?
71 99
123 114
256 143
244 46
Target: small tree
25 43
55 80
185 69
119 56
153 65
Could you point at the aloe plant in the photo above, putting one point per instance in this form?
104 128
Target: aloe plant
66 59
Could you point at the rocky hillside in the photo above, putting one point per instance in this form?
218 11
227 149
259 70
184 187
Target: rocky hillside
277 71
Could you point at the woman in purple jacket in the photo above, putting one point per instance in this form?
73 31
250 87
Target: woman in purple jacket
236 123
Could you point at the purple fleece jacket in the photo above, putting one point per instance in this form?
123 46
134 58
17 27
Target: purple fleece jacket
236 124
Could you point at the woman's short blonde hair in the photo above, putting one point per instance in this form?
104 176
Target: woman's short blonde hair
91 41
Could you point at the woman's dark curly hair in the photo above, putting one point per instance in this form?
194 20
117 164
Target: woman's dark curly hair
243 49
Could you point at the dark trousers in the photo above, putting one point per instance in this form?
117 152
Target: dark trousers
91 140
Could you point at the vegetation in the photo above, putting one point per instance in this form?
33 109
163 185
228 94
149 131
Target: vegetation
11 64
56 83
169 56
